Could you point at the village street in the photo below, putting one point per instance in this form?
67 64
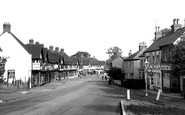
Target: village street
86 96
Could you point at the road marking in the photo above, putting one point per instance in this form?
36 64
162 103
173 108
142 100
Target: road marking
122 108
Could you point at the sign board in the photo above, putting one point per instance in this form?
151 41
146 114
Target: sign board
55 66
36 66
11 73
165 67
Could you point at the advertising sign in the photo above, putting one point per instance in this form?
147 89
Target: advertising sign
11 73
36 66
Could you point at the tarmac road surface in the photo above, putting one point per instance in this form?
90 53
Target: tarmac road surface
86 96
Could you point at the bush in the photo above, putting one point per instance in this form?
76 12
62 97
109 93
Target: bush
134 83
115 73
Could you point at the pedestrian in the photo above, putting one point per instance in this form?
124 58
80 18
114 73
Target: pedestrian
105 78
102 78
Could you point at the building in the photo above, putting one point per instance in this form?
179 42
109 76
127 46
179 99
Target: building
36 49
19 62
70 66
158 56
132 63
117 62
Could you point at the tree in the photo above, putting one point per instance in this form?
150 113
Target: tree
114 52
79 53
115 73
178 58
3 60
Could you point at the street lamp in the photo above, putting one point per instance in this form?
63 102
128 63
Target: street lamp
146 84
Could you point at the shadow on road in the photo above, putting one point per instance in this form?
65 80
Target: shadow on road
105 108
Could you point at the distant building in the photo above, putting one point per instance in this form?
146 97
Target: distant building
132 63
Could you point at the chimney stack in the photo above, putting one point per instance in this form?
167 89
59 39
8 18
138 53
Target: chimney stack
130 53
174 20
62 50
157 33
57 49
82 55
31 41
51 48
37 43
142 45
176 25
6 27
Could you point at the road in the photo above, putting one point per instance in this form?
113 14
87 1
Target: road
85 96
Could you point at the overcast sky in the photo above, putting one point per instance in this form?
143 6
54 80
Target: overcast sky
90 25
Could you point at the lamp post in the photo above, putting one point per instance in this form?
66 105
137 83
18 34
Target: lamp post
146 83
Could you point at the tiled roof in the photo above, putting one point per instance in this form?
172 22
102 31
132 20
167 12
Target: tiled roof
94 61
44 54
75 60
132 57
135 56
19 41
53 57
67 59
84 61
165 40
35 50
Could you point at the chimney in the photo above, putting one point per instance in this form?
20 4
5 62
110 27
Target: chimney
31 41
37 43
82 55
130 53
176 25
6 27
88 55
57 49
174 20
51 48
157 33
62 50
142 45
177 21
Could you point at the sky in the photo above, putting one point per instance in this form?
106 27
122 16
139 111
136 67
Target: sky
90 25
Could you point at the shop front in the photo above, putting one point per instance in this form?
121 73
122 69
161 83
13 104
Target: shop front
170 83
155 79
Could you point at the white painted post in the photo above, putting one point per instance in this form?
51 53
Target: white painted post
128 94
158 94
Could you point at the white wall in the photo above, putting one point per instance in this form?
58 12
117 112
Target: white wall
19 59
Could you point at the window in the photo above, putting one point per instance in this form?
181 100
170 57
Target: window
153 60
130 64
157 59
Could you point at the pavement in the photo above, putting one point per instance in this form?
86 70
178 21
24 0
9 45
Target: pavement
173 100
7 94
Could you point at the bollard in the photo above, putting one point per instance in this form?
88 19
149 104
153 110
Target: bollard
158 94
128 94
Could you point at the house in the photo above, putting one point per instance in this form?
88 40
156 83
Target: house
36 49
88 65
117 62
132 63
158 56
70 65
19 62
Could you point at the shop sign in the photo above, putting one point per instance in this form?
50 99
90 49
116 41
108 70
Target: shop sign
157 66
56 66
11 73
36 66
165 67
